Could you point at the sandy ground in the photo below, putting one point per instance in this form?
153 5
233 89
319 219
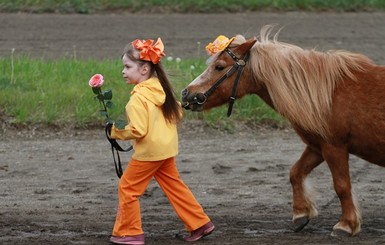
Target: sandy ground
59 186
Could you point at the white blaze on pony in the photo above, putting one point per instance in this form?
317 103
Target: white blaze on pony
333 100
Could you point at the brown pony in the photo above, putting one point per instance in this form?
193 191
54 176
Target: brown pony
334 101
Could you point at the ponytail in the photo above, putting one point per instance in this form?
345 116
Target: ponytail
171 108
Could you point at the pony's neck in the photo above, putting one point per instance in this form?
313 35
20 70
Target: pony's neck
264 95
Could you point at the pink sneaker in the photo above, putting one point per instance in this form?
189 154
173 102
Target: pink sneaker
201 232
132 240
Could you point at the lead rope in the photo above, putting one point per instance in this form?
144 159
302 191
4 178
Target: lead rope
115 147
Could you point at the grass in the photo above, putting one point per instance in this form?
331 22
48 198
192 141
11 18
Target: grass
56 92
201 6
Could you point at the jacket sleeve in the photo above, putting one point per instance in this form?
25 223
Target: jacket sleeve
137 117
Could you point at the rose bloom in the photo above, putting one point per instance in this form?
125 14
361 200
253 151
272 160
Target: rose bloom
96 81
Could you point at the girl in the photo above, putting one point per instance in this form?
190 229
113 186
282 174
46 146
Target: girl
153 113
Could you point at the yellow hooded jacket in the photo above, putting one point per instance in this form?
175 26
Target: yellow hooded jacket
153 138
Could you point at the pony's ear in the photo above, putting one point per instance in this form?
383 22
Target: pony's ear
245 47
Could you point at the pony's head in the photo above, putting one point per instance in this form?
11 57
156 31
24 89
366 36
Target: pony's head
224 79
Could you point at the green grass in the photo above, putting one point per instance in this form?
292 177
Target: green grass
202 6
56 92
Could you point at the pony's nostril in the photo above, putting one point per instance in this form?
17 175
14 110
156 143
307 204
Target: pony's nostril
184 92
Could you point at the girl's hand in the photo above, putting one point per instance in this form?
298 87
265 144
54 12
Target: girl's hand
108 128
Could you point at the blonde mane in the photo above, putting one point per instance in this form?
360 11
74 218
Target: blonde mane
301 82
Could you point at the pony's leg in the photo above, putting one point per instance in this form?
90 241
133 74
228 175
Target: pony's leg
303 205
338 162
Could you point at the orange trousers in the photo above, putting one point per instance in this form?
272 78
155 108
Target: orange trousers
133 184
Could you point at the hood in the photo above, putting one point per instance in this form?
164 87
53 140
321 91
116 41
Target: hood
152 90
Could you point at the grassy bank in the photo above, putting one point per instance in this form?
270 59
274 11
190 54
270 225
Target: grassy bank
56 92
201 6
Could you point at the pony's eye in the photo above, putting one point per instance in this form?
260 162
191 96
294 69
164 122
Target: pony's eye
219 68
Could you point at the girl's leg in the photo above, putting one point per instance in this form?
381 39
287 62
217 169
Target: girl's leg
180 196
132 185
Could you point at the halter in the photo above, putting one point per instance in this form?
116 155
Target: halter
239 65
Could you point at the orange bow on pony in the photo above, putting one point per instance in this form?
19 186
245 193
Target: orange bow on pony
220 43
148 51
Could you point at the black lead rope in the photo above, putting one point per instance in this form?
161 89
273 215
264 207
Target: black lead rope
115 147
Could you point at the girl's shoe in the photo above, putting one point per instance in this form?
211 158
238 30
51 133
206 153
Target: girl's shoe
131 240
203 231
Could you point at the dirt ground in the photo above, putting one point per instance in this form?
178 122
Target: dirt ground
59 186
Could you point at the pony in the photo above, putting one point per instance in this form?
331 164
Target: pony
334 101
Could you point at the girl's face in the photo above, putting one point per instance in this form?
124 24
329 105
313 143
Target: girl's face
133 73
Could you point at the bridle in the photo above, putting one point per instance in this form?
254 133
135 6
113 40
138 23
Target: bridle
239 65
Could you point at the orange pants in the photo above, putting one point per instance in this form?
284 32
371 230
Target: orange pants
133 184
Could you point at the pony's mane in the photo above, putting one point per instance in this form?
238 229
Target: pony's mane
301 82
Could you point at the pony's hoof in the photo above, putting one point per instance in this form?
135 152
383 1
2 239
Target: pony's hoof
340 233
300 223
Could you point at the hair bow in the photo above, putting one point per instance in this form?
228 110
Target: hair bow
220 43
148 51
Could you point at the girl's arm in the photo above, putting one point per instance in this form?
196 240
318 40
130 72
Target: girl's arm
137 117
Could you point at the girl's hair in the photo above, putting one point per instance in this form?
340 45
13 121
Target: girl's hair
171 108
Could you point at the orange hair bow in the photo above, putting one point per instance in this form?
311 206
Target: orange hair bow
219 44
148 51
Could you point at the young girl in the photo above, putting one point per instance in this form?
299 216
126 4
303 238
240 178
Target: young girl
153 113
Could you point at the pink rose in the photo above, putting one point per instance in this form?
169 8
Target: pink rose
96 81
